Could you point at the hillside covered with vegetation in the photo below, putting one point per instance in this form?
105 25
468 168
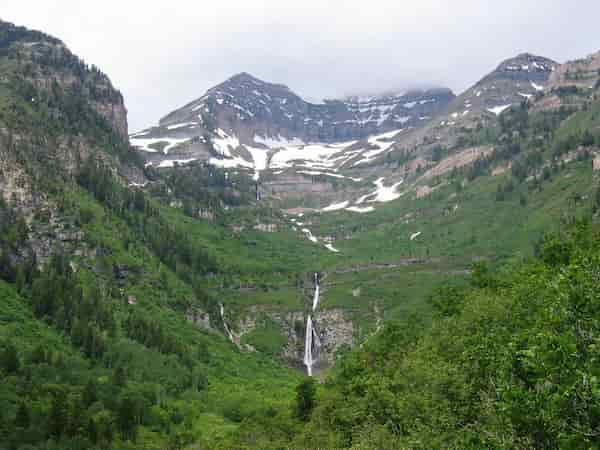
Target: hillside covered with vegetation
165 308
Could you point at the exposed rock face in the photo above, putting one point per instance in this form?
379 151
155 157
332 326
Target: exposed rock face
295 186
315 154
244 122
335 330
334 327
199 318
104 98
41 73
254 108
512 82
524 67
583 73
516 80
116 115
460 159
572 84
266 227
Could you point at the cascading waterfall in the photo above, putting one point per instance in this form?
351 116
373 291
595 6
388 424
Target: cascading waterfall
308 360
311 338
316 297
227 330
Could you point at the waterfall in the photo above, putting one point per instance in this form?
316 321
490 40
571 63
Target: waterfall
316 297
311 338
308 360
227 330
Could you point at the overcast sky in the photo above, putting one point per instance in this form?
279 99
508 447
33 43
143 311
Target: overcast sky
164 54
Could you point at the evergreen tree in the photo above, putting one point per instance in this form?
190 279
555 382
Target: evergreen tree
119 377
90 394
305 399
57 421
22 418
126 419
9 358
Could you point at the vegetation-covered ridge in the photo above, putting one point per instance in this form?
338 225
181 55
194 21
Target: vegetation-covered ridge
510 361
101 284
113 277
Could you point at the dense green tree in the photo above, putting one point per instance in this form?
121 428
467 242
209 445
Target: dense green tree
22 419
58 416
9 358
90 393
126 418
305 399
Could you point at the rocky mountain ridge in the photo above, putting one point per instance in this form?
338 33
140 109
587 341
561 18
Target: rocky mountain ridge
252 108
56 113
244 122
245 111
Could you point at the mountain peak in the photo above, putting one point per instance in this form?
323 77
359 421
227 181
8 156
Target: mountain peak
527 62
242 77
245 79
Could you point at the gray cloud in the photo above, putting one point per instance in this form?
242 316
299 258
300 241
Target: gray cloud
163 54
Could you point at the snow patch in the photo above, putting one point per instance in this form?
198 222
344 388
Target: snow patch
224 143
360 210
171 162
144 144
312 156
385 194
277 142
537 87
139 133
331 248
134 184
309 235
181 125
231 163
260 157
336 206
499 109
382 144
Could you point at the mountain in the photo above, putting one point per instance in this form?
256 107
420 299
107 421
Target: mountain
439 274
251 108
109 328
318 154
237 122
58 113
583 73
515 80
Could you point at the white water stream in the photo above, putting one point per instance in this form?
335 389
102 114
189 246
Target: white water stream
311 338
316 297
227 330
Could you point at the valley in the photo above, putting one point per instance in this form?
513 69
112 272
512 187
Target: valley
404 270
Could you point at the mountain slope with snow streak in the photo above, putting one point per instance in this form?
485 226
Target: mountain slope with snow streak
249 124
305 151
